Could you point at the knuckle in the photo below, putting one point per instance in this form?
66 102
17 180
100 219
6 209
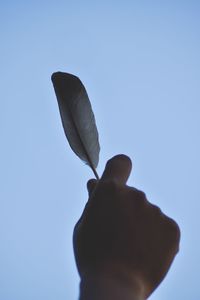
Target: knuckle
173 229
142 195
156 210
137 193
138 197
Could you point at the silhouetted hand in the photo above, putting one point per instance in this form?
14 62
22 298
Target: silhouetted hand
123 244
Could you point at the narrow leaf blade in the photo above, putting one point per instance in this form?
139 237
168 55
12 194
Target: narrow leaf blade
77 118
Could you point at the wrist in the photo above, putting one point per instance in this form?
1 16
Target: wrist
105 287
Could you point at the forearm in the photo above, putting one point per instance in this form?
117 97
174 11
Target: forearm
95 288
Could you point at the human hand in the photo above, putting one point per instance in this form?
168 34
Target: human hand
123 244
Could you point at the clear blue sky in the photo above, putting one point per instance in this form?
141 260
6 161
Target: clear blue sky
140 63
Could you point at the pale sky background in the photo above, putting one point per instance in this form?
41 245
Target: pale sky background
140 63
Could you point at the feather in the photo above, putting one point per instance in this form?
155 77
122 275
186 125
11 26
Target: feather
77 118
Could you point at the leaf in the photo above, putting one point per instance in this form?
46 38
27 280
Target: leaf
77 118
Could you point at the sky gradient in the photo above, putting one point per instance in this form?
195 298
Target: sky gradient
140 64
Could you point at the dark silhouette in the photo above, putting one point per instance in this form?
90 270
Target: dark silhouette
123 244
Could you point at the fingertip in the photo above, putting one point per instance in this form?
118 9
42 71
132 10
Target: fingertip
91 185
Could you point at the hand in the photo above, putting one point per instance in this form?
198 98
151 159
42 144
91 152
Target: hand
122 241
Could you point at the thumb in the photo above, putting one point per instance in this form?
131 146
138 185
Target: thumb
118 168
